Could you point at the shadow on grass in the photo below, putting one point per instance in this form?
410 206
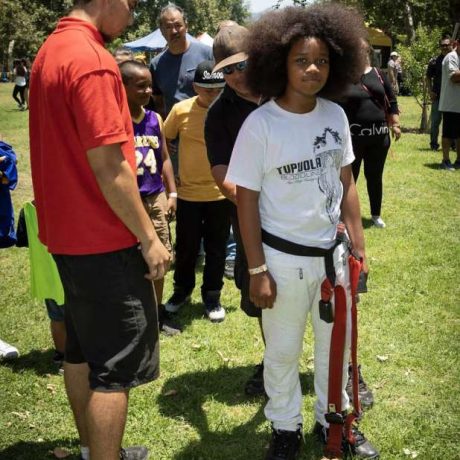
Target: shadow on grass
434 165
41 362
427 150
192 311
28 450
190 396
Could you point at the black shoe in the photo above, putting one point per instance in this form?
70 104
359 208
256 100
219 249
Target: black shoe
366 397
435 148
362 448
134 453
212 306
166 324
176 301
255 385
58 358
284 445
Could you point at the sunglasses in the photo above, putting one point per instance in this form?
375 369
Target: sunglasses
240 66
444 45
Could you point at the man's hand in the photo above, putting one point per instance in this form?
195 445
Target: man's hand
157 258
262 290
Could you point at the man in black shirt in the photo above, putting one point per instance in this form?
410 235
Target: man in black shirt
434 75
224 120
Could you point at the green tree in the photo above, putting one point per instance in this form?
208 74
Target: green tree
401 19
415 58
29 22
202 15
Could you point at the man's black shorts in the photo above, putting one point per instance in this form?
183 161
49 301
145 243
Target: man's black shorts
111 318
451 125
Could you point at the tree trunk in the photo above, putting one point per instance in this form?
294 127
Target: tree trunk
424 119
409 22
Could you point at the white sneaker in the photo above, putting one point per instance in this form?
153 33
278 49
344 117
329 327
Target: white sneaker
378 222
7 351
216 315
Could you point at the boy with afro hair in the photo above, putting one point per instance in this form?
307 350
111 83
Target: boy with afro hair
292 167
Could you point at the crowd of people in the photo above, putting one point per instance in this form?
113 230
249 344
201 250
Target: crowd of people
229 137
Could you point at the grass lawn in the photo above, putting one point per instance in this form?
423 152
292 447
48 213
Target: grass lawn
197 410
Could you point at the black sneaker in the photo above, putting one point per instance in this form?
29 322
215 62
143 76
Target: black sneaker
362 448
255 385
284 445
366 396
447 165
213 308
58 357
134 453
166 324
176 301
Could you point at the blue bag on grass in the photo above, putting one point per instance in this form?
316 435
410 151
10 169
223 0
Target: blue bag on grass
8 181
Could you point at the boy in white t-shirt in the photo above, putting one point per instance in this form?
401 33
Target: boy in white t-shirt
292 166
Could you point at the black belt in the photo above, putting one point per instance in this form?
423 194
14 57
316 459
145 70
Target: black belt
296 249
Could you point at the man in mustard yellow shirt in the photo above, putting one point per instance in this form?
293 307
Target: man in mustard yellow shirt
202 210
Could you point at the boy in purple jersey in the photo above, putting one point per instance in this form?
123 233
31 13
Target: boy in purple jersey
155 174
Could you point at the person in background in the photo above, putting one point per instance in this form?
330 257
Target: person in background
45 283
393 71
174 68
155 176
8 179
122 54
372 111
434 77
449 105
224 120
20 84
26 66
202 210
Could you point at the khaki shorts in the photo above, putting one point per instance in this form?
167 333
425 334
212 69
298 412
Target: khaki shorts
156 206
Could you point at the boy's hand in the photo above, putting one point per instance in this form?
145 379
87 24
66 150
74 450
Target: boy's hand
172 207
157 258
262 290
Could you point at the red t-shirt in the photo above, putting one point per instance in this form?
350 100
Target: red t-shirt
77 102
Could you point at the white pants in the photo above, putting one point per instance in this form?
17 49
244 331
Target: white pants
298 281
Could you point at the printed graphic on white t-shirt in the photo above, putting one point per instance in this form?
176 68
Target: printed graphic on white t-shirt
295 161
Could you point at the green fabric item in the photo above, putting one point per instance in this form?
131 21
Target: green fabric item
44 275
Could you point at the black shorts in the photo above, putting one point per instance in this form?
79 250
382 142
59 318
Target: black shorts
451 125
111 318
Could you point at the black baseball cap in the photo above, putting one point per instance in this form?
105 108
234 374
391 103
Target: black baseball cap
206 78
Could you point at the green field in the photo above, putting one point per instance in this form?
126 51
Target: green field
197 410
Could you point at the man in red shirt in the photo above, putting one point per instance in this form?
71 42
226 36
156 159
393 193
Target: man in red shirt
92 220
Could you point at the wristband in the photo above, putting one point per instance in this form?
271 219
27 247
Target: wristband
395 126
260 269
172 195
